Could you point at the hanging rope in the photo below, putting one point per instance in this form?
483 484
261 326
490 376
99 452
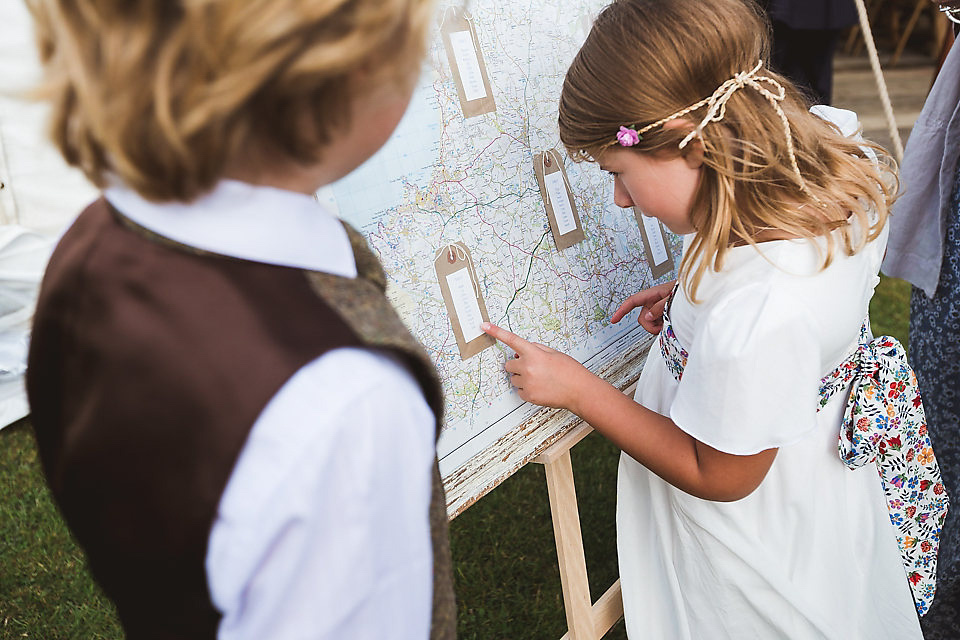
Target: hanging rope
881 83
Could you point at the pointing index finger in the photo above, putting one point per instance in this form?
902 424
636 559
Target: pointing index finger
512 340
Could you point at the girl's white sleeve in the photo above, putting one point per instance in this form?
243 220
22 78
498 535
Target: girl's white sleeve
752 376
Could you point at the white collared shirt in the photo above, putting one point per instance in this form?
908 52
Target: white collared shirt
323 529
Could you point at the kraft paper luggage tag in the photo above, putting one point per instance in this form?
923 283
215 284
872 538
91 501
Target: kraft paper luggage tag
558 199
654 244
460 288
466 63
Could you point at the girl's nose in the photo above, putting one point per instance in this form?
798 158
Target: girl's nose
620 196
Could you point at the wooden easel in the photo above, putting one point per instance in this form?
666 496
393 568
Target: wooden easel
586 620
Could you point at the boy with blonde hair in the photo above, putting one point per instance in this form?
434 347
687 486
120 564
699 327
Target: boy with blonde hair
235 423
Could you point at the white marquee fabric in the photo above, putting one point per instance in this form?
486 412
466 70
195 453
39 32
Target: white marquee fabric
38 200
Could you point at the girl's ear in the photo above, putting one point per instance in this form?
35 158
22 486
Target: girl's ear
693 152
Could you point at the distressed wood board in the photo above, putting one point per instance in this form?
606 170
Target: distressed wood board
620 364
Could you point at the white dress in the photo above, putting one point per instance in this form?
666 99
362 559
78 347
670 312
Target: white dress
811 552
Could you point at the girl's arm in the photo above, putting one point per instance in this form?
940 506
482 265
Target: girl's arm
547 377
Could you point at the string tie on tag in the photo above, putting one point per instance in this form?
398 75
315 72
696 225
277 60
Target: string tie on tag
455 252
543 172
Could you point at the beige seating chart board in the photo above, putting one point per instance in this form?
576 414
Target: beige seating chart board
453 208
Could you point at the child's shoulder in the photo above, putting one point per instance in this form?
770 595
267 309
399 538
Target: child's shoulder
779 290
846 121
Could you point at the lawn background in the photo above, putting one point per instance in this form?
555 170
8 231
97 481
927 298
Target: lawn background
507 580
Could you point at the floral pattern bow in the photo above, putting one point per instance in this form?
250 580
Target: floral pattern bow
674 355
883 423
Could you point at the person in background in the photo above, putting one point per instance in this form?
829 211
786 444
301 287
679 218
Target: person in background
805 36
924 249
235 423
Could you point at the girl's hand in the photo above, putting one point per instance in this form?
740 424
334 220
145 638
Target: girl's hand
652 301
540 374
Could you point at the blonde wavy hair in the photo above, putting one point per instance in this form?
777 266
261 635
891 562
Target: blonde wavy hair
646 59
163 94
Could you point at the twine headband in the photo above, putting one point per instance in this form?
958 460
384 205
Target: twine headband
717 108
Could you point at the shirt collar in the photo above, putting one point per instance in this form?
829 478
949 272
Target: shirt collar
251 222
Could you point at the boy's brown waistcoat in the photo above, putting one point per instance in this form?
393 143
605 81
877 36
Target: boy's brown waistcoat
149 364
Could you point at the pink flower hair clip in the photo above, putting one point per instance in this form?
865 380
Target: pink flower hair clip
628 136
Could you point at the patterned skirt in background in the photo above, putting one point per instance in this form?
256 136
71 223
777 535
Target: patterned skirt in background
935 356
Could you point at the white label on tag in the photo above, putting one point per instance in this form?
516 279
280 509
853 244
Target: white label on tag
468 65
465 303
655 238
557 190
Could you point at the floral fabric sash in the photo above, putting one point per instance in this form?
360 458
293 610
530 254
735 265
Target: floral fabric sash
883 423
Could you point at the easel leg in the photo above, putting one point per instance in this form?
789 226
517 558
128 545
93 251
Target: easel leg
573 564
584 621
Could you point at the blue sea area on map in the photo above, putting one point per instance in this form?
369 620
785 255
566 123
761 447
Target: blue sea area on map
407 158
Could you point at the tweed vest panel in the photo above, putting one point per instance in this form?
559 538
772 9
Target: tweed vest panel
140 409
376 322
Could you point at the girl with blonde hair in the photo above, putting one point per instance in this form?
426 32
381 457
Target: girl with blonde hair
738 513
238 428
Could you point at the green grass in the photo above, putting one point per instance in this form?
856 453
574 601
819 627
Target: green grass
507 580
890 309
508 584
45 591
